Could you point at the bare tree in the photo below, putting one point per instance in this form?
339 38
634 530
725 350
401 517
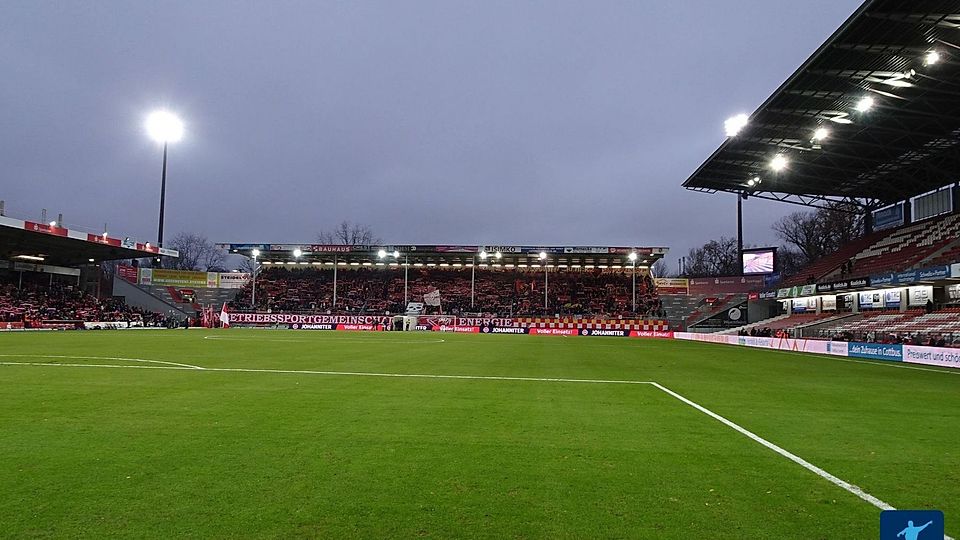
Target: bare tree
246 265
660 269
196 253
715 258
349 234
819 233
789 260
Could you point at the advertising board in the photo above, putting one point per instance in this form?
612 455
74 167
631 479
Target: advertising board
233 280
931 356
919 296
672 285
178 278
876 351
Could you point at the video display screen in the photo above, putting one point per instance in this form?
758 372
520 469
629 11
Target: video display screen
758 262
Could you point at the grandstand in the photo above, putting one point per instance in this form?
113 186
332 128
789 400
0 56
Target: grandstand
506 281
51 277
866 121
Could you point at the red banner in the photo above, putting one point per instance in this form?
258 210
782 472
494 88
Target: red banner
292 318
44 228
457 329
554 331
651 334
128 273
360 327
100 239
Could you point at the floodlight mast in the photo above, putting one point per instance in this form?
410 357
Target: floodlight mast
396 255
546 282
163 127
253 279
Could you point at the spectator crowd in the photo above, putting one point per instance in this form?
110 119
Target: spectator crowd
514 293
903 338
35 304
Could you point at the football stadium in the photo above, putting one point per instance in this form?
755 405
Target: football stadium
357 388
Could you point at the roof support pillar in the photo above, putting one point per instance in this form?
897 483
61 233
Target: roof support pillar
740 198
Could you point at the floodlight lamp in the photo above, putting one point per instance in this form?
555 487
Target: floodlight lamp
864 104
104 235
778 163
255 253
734 124
498 255
820 134
543 255
931 58
381 254
632 256
90 260
396 254
53 223
483 254
164 127
297 253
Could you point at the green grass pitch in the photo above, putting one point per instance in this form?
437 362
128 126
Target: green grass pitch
267 449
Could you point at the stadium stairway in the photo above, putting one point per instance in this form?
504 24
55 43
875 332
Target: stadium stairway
136 295
215 297
202 297
748 327
705 311
795 323
171 296
680 306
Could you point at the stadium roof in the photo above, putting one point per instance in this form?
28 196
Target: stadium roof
30 242
450 254
902 54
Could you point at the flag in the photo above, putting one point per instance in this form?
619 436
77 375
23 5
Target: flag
224 316
432 298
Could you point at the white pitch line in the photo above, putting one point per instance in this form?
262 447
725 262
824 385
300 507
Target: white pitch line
856 490
847 486
332 373
69 357
883 363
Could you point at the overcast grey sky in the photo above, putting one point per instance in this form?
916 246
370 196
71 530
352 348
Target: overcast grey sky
512 122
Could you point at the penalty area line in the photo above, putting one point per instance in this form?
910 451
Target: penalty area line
847 486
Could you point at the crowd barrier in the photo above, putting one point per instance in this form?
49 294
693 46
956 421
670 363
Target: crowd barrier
911 354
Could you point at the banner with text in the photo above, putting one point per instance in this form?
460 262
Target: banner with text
672 285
